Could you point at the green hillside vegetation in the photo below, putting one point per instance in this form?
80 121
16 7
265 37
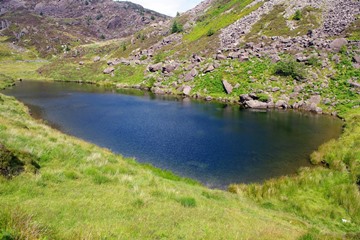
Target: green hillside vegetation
274 23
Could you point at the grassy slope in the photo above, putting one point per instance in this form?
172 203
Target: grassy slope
83 191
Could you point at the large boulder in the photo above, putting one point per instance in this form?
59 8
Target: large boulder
187 90
109 70
169 68
256 104
337 44
155 67
220 57
227 86
356 59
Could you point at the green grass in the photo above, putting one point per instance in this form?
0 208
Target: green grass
353 31
221 15
274 24
66 70
83 191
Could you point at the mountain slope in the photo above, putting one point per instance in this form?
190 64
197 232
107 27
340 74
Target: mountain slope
50 25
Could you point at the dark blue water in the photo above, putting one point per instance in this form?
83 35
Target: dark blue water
211 142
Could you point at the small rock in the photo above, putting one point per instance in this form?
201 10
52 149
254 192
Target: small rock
81 63
356 59
187 90
210 68
227 87
109 70
97 59
208 98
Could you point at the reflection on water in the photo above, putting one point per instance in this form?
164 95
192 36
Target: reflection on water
212 142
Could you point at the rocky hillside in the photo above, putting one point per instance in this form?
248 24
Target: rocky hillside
261 54
71 22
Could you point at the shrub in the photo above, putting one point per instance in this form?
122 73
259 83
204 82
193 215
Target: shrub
153 17
176 27
313 61
210 32
102 36
298 15
289 67
263 97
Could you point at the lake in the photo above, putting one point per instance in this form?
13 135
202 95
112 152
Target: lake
215 143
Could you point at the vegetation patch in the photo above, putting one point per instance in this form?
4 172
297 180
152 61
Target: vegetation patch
274 23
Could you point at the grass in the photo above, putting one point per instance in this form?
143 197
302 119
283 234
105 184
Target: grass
274 24
221 15
66 70
83 191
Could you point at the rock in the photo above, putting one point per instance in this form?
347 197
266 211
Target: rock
237 85
220 57
281 104
275 89
158 91
298 89
155 67
97 59
337 44
227 87
187 90
208 98
256 104
316 99
356 59
109 70
245 97
210 68
354 84
81 63
234 55
194 72
188 77
169 68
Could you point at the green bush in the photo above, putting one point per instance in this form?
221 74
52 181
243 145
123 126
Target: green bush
263 97
289 67
210 32
176 27
298 15
313 61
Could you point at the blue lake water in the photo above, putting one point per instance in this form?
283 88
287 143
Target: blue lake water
214 143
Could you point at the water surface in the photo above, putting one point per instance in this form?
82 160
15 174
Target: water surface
214 143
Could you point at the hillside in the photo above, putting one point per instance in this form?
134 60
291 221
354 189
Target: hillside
56 26
268 54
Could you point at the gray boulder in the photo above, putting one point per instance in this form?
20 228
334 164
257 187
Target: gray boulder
228 87
220 57
155 67
187 90
210 68
356 59
256 104
109 70
337 44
